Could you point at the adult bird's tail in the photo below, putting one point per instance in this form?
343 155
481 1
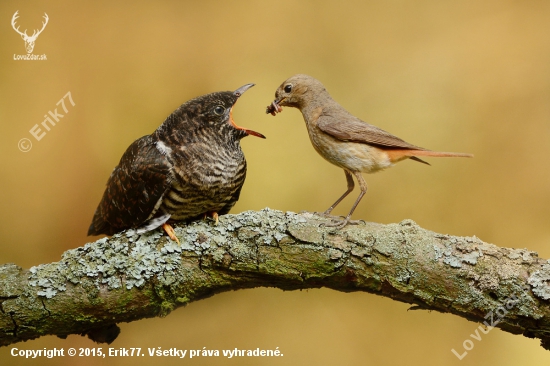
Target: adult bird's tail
400 154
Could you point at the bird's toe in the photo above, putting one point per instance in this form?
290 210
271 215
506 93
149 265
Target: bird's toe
171 233
339 223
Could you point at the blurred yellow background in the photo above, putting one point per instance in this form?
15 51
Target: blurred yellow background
465 76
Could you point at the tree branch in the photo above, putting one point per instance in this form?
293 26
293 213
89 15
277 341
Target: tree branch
130 277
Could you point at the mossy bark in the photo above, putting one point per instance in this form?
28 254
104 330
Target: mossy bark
130 277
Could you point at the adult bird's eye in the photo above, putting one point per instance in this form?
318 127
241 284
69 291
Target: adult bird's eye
288 88
219 110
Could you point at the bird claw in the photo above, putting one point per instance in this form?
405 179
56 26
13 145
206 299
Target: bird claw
329 216
213 215
337 224
340 224
171 233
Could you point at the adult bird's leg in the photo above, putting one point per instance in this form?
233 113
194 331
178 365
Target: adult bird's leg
363 187
351 185
170 231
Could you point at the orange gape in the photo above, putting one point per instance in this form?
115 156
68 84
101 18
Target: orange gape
343 139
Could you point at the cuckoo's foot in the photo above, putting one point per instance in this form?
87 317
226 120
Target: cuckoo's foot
170 231
213 215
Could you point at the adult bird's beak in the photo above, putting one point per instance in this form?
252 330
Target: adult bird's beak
275 107
238 93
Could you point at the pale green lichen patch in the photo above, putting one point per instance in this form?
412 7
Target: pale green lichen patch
457 251
540 281
116 262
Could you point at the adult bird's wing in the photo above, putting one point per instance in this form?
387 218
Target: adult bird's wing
347 127
134 189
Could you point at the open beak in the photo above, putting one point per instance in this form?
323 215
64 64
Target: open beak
238 93
242 89
275 107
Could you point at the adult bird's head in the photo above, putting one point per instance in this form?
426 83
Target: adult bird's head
296 91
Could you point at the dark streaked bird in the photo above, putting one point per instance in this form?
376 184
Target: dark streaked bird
192 166
343 139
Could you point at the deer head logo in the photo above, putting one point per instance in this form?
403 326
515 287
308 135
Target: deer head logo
29 40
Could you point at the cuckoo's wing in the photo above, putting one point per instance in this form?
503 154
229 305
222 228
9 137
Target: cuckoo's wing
134 189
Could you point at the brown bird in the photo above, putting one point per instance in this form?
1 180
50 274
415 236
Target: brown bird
343 139
190 167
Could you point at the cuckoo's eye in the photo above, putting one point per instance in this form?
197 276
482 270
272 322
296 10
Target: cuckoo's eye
219 110
288 88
